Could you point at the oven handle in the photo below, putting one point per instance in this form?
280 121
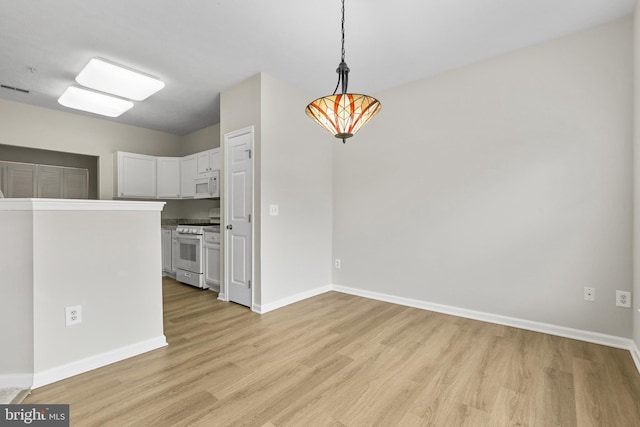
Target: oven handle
189 238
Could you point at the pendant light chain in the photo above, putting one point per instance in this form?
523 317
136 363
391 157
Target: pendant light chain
341 75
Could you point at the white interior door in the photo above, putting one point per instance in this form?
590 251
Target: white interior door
238 175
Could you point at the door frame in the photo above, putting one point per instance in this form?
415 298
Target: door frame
224 294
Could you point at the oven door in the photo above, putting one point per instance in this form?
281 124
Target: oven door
189 253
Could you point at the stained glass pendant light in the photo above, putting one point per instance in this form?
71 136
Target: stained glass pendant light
343 114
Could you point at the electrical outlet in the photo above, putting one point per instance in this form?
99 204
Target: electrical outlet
273 210
589 294
338 263
73 315
623 299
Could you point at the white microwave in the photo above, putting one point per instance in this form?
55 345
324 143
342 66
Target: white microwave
208 187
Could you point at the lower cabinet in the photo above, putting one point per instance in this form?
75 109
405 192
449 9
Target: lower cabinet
167 250
170 249
175 249
212 266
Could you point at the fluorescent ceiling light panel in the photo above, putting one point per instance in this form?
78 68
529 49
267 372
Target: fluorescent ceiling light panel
108 77
94 102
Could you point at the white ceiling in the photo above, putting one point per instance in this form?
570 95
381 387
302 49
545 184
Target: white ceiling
199 48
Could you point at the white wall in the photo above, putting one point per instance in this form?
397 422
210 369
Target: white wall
60 253
30 126
502 187
201 140
296 174
292 169
109 262
636 169
16 299
240 108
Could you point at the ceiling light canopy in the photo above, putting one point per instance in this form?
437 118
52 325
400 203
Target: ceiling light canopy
105 76
344 114
94 102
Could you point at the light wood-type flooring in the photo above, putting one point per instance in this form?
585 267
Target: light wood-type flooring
341 360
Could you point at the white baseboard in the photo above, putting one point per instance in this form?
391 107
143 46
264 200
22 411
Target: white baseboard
635 354
16 380
93 362
262 309
578 334
562 331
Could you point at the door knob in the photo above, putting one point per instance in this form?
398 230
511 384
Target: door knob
229 227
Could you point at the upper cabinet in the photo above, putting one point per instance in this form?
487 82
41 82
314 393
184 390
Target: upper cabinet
188 172
168 176
216 159
203 160
142 176
136 175
208 161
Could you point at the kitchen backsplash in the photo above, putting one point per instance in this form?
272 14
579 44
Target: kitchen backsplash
188 209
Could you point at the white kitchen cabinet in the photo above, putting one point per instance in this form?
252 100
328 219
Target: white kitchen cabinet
142 176
216 159
175 248
136 175
167 246
212 260
21 180
168 177
203 160
208 161
188 172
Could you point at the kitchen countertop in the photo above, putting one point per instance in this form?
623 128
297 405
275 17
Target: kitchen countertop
176 221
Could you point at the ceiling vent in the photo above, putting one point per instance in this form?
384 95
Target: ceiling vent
14 88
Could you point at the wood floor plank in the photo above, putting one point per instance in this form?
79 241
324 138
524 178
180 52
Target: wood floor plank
341 360
513 409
